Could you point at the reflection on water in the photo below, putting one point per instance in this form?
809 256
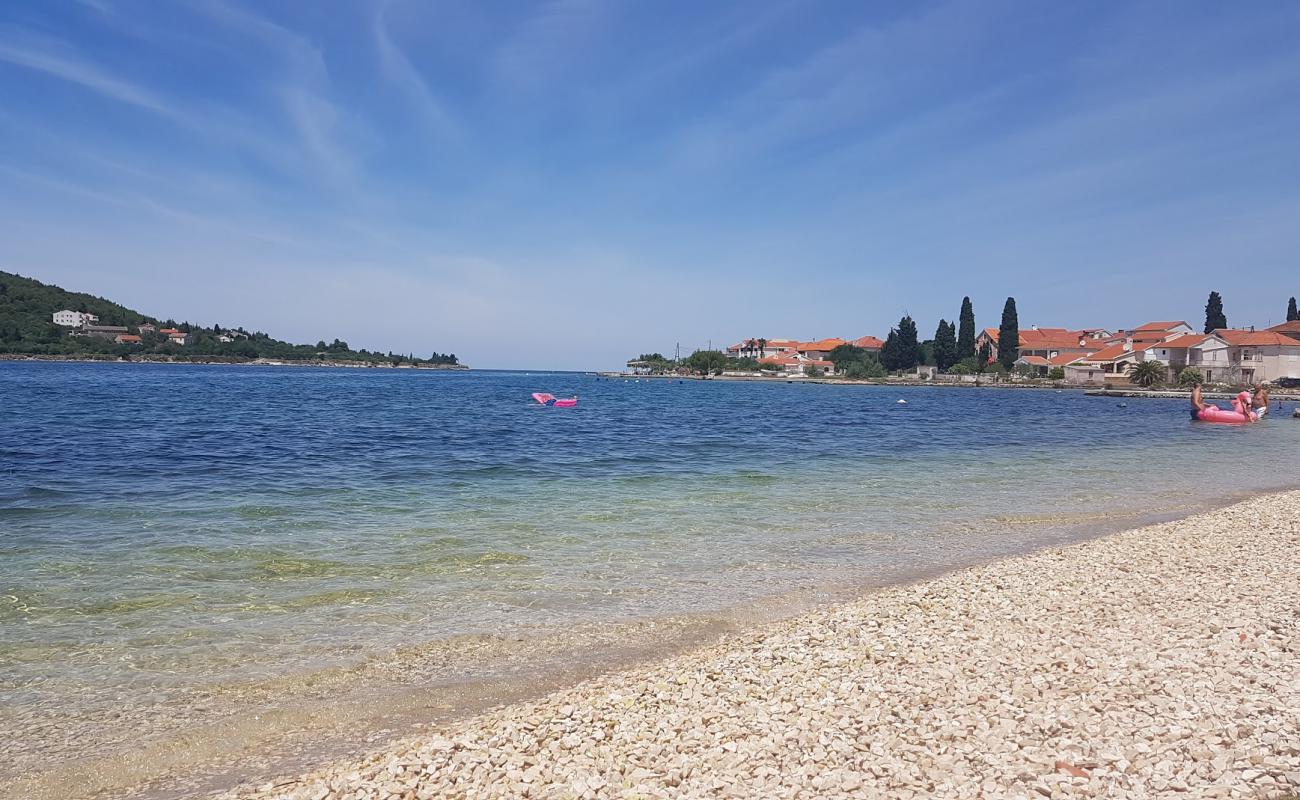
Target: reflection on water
169 531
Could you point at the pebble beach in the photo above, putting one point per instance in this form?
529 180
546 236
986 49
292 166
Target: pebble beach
1158 662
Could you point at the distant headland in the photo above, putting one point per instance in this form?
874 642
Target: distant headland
42 321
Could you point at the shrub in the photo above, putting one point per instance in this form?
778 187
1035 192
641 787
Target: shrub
1190 376
1056 374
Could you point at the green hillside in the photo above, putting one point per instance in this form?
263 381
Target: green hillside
27 306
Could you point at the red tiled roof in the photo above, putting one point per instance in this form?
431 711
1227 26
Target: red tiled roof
1115 351
1185 341
1159 326
128 337
868 343
1034 361
1064 358
1292 327
824 345
1238 338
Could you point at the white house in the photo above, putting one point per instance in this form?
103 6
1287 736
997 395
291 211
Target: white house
74 319
1239 356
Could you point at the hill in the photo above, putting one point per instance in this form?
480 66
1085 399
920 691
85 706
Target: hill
27 307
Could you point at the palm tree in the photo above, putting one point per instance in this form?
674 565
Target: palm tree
749 347
762 348
1147 373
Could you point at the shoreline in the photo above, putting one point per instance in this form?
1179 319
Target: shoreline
230 362
1026 384
1023 677
300 721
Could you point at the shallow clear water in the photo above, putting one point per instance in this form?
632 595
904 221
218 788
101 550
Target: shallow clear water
164 527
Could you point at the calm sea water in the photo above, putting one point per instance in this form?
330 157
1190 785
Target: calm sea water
165 527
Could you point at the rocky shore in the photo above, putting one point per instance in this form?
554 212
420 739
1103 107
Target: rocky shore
1159 662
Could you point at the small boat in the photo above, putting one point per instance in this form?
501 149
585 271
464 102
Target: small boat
565 402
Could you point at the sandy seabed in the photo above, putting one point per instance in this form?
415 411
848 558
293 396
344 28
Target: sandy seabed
1159 662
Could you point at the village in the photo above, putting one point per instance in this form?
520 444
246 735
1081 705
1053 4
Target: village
1088 357
83 323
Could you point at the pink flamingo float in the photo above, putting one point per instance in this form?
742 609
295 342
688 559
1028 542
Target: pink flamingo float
544 398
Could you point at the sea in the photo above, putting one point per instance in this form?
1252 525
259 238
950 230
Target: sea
209 561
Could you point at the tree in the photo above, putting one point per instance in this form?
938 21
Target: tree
1214 318
985 356
1190 376
706 361
1009 335
1147 373
966 336
846 354
762 348
901 350
1292 313
927 353
945 345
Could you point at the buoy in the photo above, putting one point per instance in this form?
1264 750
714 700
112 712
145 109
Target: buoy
901 402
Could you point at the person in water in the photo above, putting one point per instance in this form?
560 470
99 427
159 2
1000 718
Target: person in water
1259 401
1241 407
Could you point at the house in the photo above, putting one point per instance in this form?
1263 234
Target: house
795 364
101 331
224 339
1047 343
1176 353
146 328
761 348
1231 355
74 319
127 338
178 337
819 349
869 343
1112 363
167 331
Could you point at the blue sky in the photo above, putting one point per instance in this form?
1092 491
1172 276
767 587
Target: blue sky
567 184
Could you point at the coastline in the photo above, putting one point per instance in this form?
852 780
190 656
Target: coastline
1155 661
1019 383
224 362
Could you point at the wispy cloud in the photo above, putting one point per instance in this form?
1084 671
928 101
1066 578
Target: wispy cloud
548 43
401 71
55 59
302 89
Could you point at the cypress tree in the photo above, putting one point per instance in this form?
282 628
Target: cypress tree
909 347
1292 313
966 336
889 352
1214 317
945 345
1009 335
